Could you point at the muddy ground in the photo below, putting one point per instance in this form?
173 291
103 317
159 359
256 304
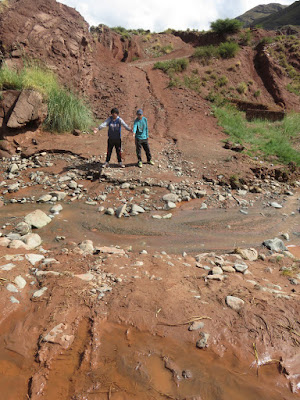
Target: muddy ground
137 307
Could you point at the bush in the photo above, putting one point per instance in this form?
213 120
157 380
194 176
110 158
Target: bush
242 88
206 52
65 110
177 65
222 81
257 93
226 26
228 49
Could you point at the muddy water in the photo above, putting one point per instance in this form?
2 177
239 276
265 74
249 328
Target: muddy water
189 229
129 364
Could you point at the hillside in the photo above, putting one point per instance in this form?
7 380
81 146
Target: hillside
258 12
287 16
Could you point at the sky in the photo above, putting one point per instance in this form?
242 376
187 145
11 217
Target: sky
158 15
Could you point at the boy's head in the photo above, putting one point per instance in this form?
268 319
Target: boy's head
139 113
114 112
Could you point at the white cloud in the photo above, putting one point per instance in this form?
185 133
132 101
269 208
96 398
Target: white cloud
158 15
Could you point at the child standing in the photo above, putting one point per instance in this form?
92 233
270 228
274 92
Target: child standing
114 123
140 129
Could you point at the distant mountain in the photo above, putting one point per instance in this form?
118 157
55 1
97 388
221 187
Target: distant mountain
288 16
259 12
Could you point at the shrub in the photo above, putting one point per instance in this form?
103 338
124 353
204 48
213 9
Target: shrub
242 88
226 26
222 81
206 52
267 40
228 49
167 49
65 110
178 65
257 93
245 38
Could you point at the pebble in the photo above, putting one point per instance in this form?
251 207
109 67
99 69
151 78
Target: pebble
34 258
39 293
196 325
240 267
235 303
202 342
20 282
14 300
12 288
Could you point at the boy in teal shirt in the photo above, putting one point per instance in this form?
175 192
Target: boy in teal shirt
140 129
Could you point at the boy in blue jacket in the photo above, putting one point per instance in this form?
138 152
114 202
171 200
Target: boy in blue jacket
114 123
140 129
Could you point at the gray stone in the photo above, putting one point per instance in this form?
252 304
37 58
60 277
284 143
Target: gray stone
18 244
45 198
14 187
157 216
7 267
235 303
32 240
23 228
37 219
275 244
240 267
202 342
87 246
216 277
34 258
217 271
85 277
196 325
203 206
12 288
110 211
59 195
20 282
136 209
120 211
14 300
39 293
275 205
167 216
125 185
4 241
56 209
248 254
170 197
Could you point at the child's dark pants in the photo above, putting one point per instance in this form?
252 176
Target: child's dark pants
111 143
139 143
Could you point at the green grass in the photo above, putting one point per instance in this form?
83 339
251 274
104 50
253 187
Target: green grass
177 65
224 50
262 138
66 111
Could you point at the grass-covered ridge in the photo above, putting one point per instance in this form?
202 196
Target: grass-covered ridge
66 111
261 138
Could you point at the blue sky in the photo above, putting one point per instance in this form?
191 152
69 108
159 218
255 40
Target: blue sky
158 15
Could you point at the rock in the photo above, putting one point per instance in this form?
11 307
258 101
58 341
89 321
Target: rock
12 288
13 236
13 168
20 282
59 336
196 325
170 197
29 107
227 268
87 246
167 216
240 267
110 250
32 240
248 254
34 258
45 198
14 187
169 205
120 211
14 300
203 206
157 216
37 219
85 277
18 244
217 271
275 205
202 342
136 209
4 241
56 209
125 185
39 293
7 267
235 303
200 193
110 211
22 228
275 244
215 277
59 195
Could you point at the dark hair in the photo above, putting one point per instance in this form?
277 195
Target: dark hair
114 110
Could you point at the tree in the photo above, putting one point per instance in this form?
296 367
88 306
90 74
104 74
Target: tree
226 26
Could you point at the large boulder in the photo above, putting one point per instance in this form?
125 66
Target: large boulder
37 219
29 107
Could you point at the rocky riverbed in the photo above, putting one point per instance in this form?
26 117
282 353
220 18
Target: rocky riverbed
122 284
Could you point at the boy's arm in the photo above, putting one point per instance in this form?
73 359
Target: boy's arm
134 127
103 125
147 128
125 125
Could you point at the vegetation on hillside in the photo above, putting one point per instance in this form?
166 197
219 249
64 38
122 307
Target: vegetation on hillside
226 26
258 12
267 140
66 111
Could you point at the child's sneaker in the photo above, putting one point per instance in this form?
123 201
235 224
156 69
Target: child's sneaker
140 164
121 165
151 162
105 165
